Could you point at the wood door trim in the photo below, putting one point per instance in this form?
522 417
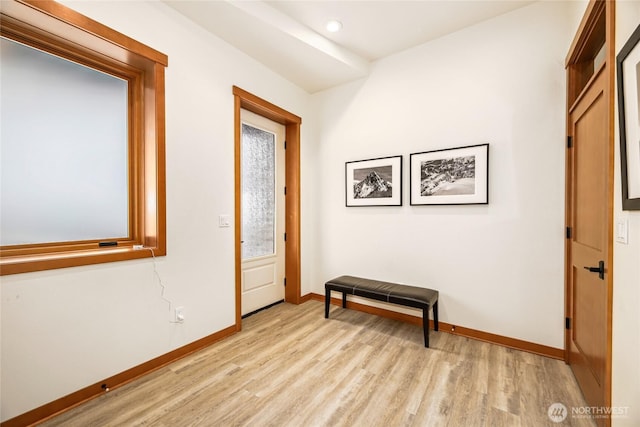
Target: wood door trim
255 104
580 49
611 87
587 26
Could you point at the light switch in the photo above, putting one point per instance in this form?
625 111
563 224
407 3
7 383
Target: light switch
224 221
622 231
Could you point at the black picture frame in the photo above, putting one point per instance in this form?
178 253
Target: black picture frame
450 176
628 69
374 182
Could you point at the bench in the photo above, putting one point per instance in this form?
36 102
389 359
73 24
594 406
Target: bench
410 296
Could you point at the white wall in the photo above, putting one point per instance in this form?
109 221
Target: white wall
499 268
63 330
626 281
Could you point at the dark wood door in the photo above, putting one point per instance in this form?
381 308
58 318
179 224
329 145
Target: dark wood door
589 269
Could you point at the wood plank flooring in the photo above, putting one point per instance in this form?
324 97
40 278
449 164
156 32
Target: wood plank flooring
292 367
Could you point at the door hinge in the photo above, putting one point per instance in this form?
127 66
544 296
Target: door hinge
285 191
569 142
567 323
568 232
285 237
285 281
285 145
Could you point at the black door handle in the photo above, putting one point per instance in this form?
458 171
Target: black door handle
599 269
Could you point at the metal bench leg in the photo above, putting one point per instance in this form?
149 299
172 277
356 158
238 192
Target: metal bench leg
435 316
344 300
425 325
327 302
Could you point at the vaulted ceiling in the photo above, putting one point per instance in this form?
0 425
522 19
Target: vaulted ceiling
290 36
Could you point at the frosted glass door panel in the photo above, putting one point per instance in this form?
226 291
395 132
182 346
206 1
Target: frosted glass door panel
258 192
63 150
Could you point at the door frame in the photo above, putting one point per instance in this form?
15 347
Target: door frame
291 122
597 23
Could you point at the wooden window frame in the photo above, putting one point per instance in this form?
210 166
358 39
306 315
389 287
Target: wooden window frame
56 29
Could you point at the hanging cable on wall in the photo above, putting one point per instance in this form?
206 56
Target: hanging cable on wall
160 282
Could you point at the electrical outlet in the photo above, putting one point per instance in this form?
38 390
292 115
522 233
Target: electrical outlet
179 314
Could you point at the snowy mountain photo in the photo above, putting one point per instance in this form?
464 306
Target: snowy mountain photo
373 185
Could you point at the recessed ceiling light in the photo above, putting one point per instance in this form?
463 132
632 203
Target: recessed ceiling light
334 26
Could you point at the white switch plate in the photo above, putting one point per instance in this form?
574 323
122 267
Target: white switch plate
224 221
622 231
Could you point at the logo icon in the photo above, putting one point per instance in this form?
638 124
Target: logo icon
557 412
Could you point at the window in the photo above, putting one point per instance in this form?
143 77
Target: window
258 192
82 143
63 169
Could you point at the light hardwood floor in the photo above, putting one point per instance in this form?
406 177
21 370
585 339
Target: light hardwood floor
292 367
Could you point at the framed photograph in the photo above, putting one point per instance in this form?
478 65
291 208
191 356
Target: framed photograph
628 66
452 176
374 182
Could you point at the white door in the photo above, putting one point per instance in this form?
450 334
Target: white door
263 209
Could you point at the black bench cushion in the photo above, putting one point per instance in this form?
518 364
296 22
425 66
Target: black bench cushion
411 296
